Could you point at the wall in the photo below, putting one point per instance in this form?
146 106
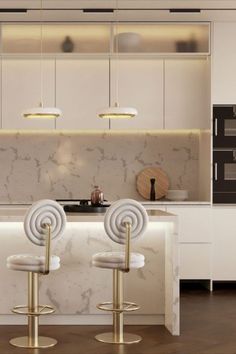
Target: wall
67 165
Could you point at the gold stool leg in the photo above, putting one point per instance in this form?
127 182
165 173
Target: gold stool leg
118 336
33 340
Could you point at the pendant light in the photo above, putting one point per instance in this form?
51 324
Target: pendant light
41 112
117 111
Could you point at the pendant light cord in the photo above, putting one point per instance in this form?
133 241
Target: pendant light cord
41 53
117 55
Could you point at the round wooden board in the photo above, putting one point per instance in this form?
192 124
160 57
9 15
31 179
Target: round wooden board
144 185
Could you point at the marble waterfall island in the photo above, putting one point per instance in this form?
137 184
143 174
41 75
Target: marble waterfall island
76 288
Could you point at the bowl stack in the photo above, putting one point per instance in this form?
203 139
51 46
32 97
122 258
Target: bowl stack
177 194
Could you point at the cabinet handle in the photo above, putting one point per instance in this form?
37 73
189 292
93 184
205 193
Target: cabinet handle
216 171
216 126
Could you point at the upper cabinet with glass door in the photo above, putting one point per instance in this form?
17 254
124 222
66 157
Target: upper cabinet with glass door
100 38
162 38
57 38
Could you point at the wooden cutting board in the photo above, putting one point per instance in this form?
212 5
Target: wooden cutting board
144 185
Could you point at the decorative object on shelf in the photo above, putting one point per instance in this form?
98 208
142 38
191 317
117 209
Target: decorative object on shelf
41 112
192 44
97 197
67 45
117 111
177 195
143 182
181 46
152 189
128 42
187 46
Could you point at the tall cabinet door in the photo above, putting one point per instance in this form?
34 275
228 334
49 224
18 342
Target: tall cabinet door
223 63
21 90
187 94
140 85
224 246
82 90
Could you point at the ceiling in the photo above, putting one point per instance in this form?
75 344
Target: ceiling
122 4
128 10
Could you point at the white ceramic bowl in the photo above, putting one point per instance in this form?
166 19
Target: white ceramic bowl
177 194
128 41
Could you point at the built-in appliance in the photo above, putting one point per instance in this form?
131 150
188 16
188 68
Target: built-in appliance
82 206
224 126
224 154
224 176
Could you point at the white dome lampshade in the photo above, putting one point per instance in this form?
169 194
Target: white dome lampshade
42 113
117 112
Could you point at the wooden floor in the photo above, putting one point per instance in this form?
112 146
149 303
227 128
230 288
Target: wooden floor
208 326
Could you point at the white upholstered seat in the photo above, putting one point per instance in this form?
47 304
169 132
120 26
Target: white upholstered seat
31 263
116 260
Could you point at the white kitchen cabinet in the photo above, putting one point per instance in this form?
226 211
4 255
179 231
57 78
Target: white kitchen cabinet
195 261
223 63
195 238
140 85
224 246
21 90
187 94
82 89
194 223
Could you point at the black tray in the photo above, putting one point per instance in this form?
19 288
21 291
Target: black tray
85 208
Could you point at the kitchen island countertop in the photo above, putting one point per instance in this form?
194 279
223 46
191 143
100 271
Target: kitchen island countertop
15 213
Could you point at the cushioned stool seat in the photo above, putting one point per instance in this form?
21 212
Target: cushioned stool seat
116 260
31 263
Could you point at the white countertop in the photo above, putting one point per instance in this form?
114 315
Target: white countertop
14 213
169 202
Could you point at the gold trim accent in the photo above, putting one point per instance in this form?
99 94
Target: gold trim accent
43 342
41 116
48 249
117 116
118 307
108 337
42 310
33 311
126 307
127 246
33 303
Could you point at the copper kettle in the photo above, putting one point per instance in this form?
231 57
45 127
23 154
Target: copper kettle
97 197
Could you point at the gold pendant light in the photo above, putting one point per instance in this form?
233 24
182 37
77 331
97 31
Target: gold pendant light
41 112
116 111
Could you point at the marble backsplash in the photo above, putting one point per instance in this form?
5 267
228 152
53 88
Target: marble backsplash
68 165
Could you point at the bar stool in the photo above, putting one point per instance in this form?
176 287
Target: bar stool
125 220
45 220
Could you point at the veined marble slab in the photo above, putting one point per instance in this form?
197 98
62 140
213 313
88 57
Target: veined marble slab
66 166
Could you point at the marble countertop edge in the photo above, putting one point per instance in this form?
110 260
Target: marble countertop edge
16 214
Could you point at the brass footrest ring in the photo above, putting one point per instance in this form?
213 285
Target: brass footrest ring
24 310
126 307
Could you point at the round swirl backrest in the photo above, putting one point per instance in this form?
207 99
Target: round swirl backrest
44 212
122 211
